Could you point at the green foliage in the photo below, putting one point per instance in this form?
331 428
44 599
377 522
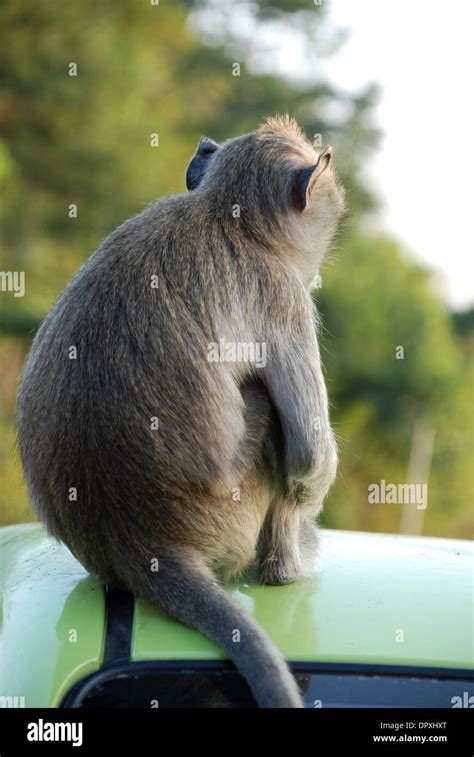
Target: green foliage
373 301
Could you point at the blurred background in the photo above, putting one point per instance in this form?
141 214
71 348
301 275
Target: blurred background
372 82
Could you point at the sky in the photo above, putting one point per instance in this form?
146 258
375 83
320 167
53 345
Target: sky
419 52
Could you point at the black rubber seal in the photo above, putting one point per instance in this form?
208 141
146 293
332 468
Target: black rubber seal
119 607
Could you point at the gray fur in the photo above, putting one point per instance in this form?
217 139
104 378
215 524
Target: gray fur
224 427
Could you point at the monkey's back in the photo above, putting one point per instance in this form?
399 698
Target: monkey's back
121 416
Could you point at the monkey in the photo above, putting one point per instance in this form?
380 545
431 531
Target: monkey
163 471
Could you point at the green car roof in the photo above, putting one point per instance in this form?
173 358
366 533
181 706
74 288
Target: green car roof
373 600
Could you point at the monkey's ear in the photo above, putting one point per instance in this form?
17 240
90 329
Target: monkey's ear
200 162
206 146
306 178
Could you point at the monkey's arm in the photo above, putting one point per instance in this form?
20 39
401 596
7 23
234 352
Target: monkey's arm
295 382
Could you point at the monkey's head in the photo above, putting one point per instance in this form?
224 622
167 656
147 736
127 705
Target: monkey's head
271 186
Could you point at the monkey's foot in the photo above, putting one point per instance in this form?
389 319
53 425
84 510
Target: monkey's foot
275 571
283 565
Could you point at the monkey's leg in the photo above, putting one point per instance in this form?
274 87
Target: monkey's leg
278 551
288 541
288 547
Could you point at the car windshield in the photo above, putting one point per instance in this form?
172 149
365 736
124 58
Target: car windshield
145 685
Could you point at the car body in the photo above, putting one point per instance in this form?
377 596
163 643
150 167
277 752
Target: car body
385 620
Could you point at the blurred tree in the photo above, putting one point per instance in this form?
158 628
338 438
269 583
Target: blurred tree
85 139
373 302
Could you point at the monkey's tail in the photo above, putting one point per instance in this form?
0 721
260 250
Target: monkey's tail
184 588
